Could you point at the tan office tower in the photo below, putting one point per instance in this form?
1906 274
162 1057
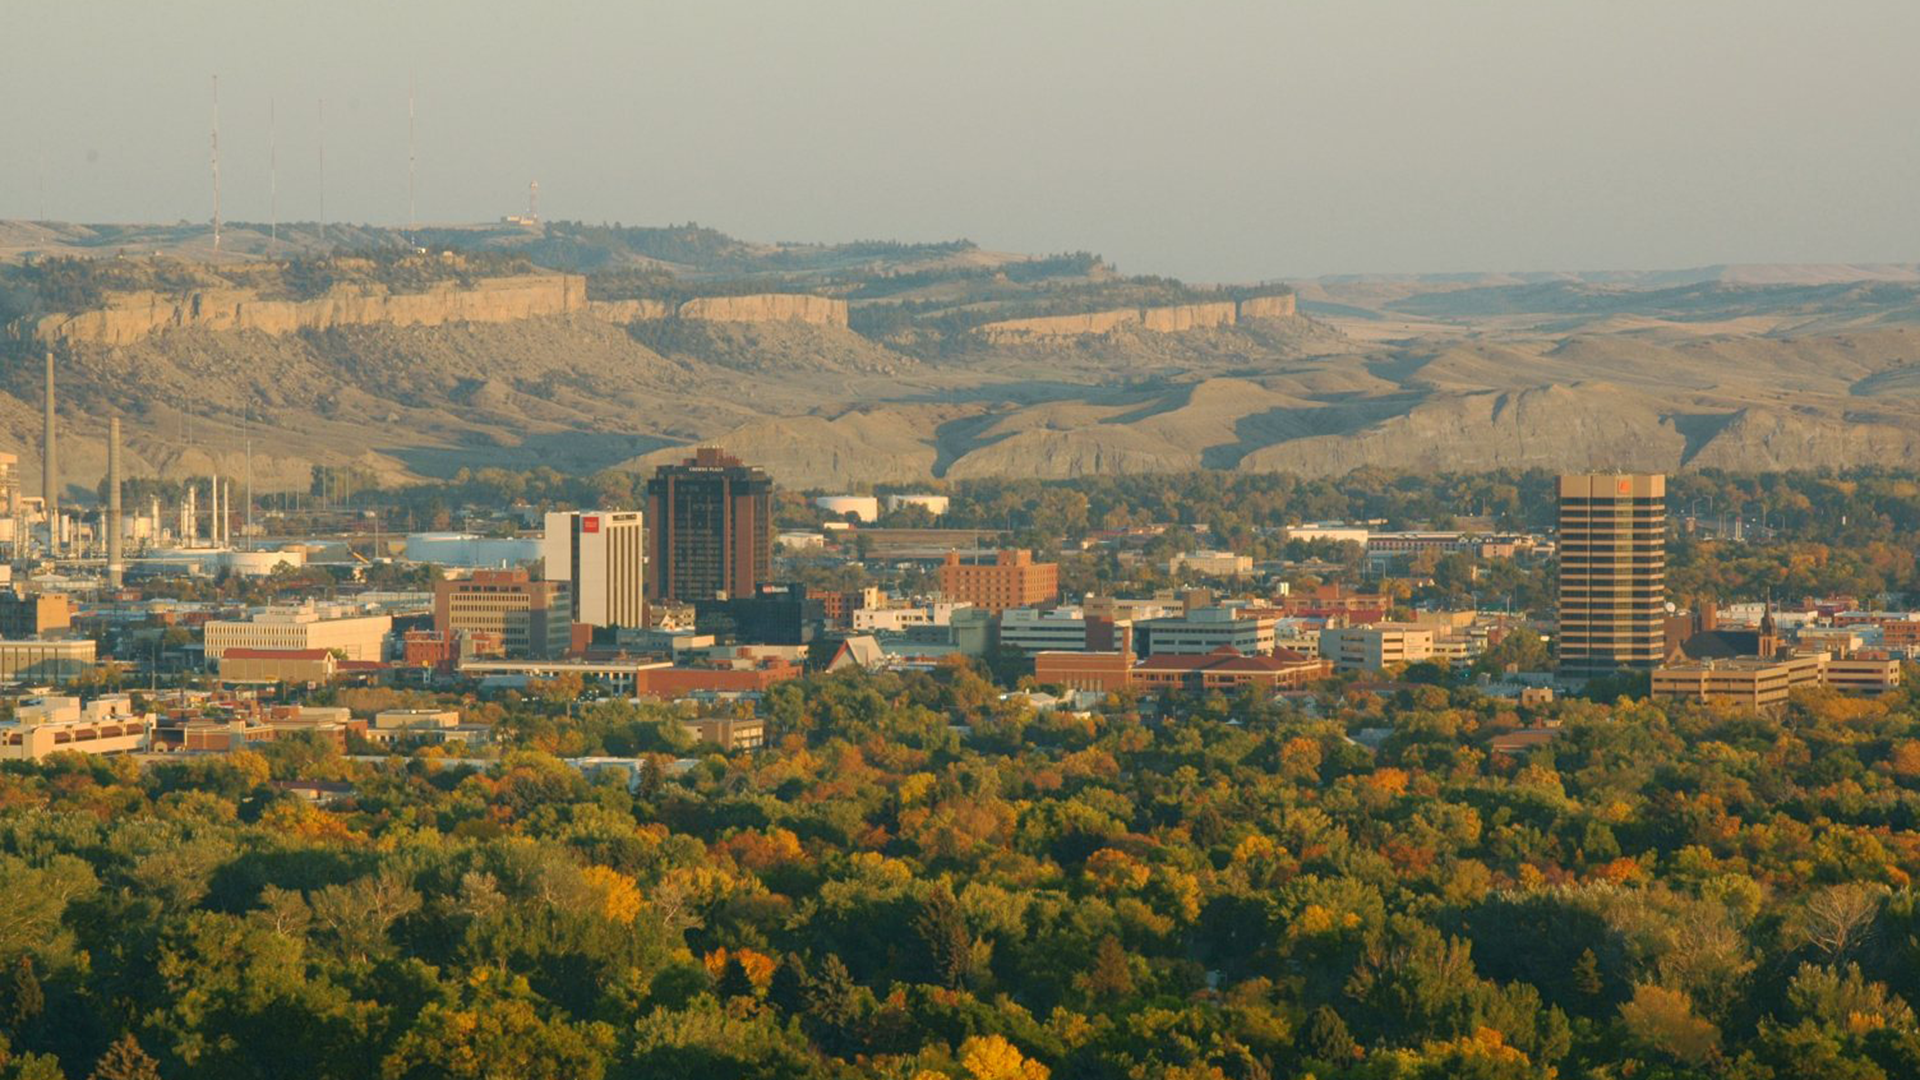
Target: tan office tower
1613 573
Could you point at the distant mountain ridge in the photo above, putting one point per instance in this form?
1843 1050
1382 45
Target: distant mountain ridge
834 365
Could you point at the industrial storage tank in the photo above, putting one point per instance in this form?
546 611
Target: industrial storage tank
932 504
863 507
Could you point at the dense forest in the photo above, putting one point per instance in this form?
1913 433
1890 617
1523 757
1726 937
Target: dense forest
922 880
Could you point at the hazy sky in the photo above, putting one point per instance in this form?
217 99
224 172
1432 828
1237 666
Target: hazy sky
1210 139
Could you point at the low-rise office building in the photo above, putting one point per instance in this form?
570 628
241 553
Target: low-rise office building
1377 646
1750 681
1103 672
25 616
1204 630
309 667
1223 564
354 635
45 661
1032 630
532 618
729 732
1868 673
49 725
413 725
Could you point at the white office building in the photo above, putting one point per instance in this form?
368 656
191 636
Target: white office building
1203 630
1032 630
603 554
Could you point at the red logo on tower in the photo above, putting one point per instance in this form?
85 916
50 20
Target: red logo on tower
1625 487
589 524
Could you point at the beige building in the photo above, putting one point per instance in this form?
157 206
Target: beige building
105 725
413 725
1377 646
729 732
1212 564
295 666
533 618
45 661
355 636
24 616
1750 681
1613 573
1862 673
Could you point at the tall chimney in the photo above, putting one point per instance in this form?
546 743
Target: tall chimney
49 470
116 567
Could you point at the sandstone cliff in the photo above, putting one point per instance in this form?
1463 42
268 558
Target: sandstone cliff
1283 306
1161 320
767 307
128 317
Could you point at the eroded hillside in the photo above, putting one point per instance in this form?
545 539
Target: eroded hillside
902 363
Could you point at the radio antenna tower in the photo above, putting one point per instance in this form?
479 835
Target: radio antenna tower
410 159
533 200
323 171
216 163
273 177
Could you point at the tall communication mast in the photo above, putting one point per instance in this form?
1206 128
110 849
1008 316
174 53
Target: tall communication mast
410 159
216 163
323 170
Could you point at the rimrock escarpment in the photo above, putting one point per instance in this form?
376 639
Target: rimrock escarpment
1171 319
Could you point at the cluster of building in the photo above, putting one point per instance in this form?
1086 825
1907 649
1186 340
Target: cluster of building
1613 614
678 599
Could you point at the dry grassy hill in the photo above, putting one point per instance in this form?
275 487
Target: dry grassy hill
1734 367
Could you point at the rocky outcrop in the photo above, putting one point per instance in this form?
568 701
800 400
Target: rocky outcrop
1282 306
1172 320
629 311
128 317
1160 320
767 307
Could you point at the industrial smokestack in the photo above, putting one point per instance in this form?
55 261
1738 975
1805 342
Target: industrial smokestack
49 470
116 566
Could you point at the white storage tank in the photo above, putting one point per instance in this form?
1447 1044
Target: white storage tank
932 504
862 507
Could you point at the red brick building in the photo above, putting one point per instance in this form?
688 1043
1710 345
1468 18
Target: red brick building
1011 580
1104 672
1225 669
676 682
1334 601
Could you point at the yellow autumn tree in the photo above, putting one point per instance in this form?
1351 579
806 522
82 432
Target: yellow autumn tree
990 1057
615 897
